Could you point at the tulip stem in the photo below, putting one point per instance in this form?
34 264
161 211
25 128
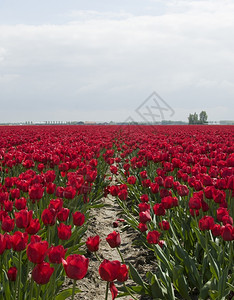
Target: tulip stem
31 288
19 279
52 284
129 291
231 255
120 255
98 258
38 292
107 288
48 235
73 288
1 265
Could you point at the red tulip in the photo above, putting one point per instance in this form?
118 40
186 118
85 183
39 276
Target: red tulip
8 205
48 217
216 230
76 266
143 174
142 227
227 232
144 216
159 209
168 182
206 223
164 225
182 190
64 231
33 227
20 203
8 239
153 237
227 220
2 244
63 214
56 204
131 179
42 272
144 198
12 274
19 241
35 238
154 186
109 270
56 254
221 212
15 193
36 252
69 192
36 192
50 188
113 239
23 218
123 273
78 218
123 194
143 206
114 291
8 224
92 243
114 190
195 203
167 202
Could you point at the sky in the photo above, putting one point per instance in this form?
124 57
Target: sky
114 60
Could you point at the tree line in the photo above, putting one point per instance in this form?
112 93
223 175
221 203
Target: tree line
194 119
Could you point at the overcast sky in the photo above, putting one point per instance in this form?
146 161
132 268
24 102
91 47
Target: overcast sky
100 60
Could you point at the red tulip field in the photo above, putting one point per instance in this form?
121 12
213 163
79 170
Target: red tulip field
169 195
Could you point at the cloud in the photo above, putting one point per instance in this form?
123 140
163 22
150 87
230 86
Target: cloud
106 62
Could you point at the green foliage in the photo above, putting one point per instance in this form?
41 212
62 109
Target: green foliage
193 118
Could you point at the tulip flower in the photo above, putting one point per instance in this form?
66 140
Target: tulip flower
109 270
113 239
42 272
56 254
78 218
92 243
64 231
153 237
36 252
12 273
76 266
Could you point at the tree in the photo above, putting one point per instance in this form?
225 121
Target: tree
203 117
193 118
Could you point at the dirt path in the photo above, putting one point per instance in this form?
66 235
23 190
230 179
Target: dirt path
101 223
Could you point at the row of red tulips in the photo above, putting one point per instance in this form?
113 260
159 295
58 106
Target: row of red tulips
174 184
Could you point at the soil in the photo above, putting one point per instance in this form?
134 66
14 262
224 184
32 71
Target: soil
101 223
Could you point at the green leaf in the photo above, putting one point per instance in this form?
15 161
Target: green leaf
230 286
166 261
139 290
180 282
66 293
214 267
200 237
213 294
222 283
167 283
135 275
190 266
157 290
204 292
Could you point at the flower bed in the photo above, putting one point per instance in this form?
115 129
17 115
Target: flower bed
174 185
